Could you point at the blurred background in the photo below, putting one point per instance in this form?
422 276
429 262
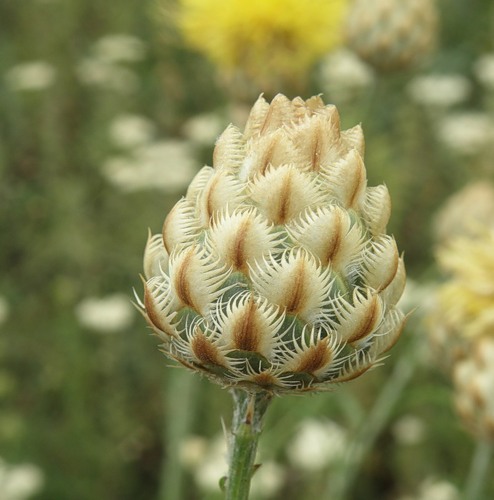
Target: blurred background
107 111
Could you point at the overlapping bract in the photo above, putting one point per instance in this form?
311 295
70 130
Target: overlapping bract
274 272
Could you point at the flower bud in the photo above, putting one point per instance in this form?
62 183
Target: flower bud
274 272
392 34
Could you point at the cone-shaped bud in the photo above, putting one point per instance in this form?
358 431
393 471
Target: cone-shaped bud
392 34
275 272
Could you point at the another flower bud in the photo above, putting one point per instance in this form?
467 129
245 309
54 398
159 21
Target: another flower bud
392 34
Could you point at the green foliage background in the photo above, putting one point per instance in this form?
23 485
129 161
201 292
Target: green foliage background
103 415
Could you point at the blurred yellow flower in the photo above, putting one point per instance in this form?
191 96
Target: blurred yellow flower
262 38
467 299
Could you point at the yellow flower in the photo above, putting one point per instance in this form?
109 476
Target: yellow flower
262 38
275 271
466 301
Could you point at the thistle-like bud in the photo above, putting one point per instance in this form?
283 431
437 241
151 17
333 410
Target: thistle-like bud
274 272
392 34
474 388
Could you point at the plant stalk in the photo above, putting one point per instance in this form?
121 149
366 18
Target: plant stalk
478 470
374 423
248 412
180 397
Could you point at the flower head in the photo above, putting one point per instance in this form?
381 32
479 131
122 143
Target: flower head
264 39
466 300
465 211
274 272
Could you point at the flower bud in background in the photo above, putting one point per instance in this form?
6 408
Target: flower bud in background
275 272
272 43
463 306
474 388
392 34
465 211
466 299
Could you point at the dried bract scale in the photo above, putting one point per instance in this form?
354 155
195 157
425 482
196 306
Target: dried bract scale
392 34
274 272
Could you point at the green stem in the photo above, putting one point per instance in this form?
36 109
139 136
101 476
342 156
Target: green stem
180 396
249 409
478 470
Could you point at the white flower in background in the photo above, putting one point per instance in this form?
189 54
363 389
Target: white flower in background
19 482
440 91
343 74
317 444
213 465
268 480
119 48
466 133
166 165
192 451
209 463
98 73
129 131
409 430
107 314
33 75
484 70
204 129
433 489
4 310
